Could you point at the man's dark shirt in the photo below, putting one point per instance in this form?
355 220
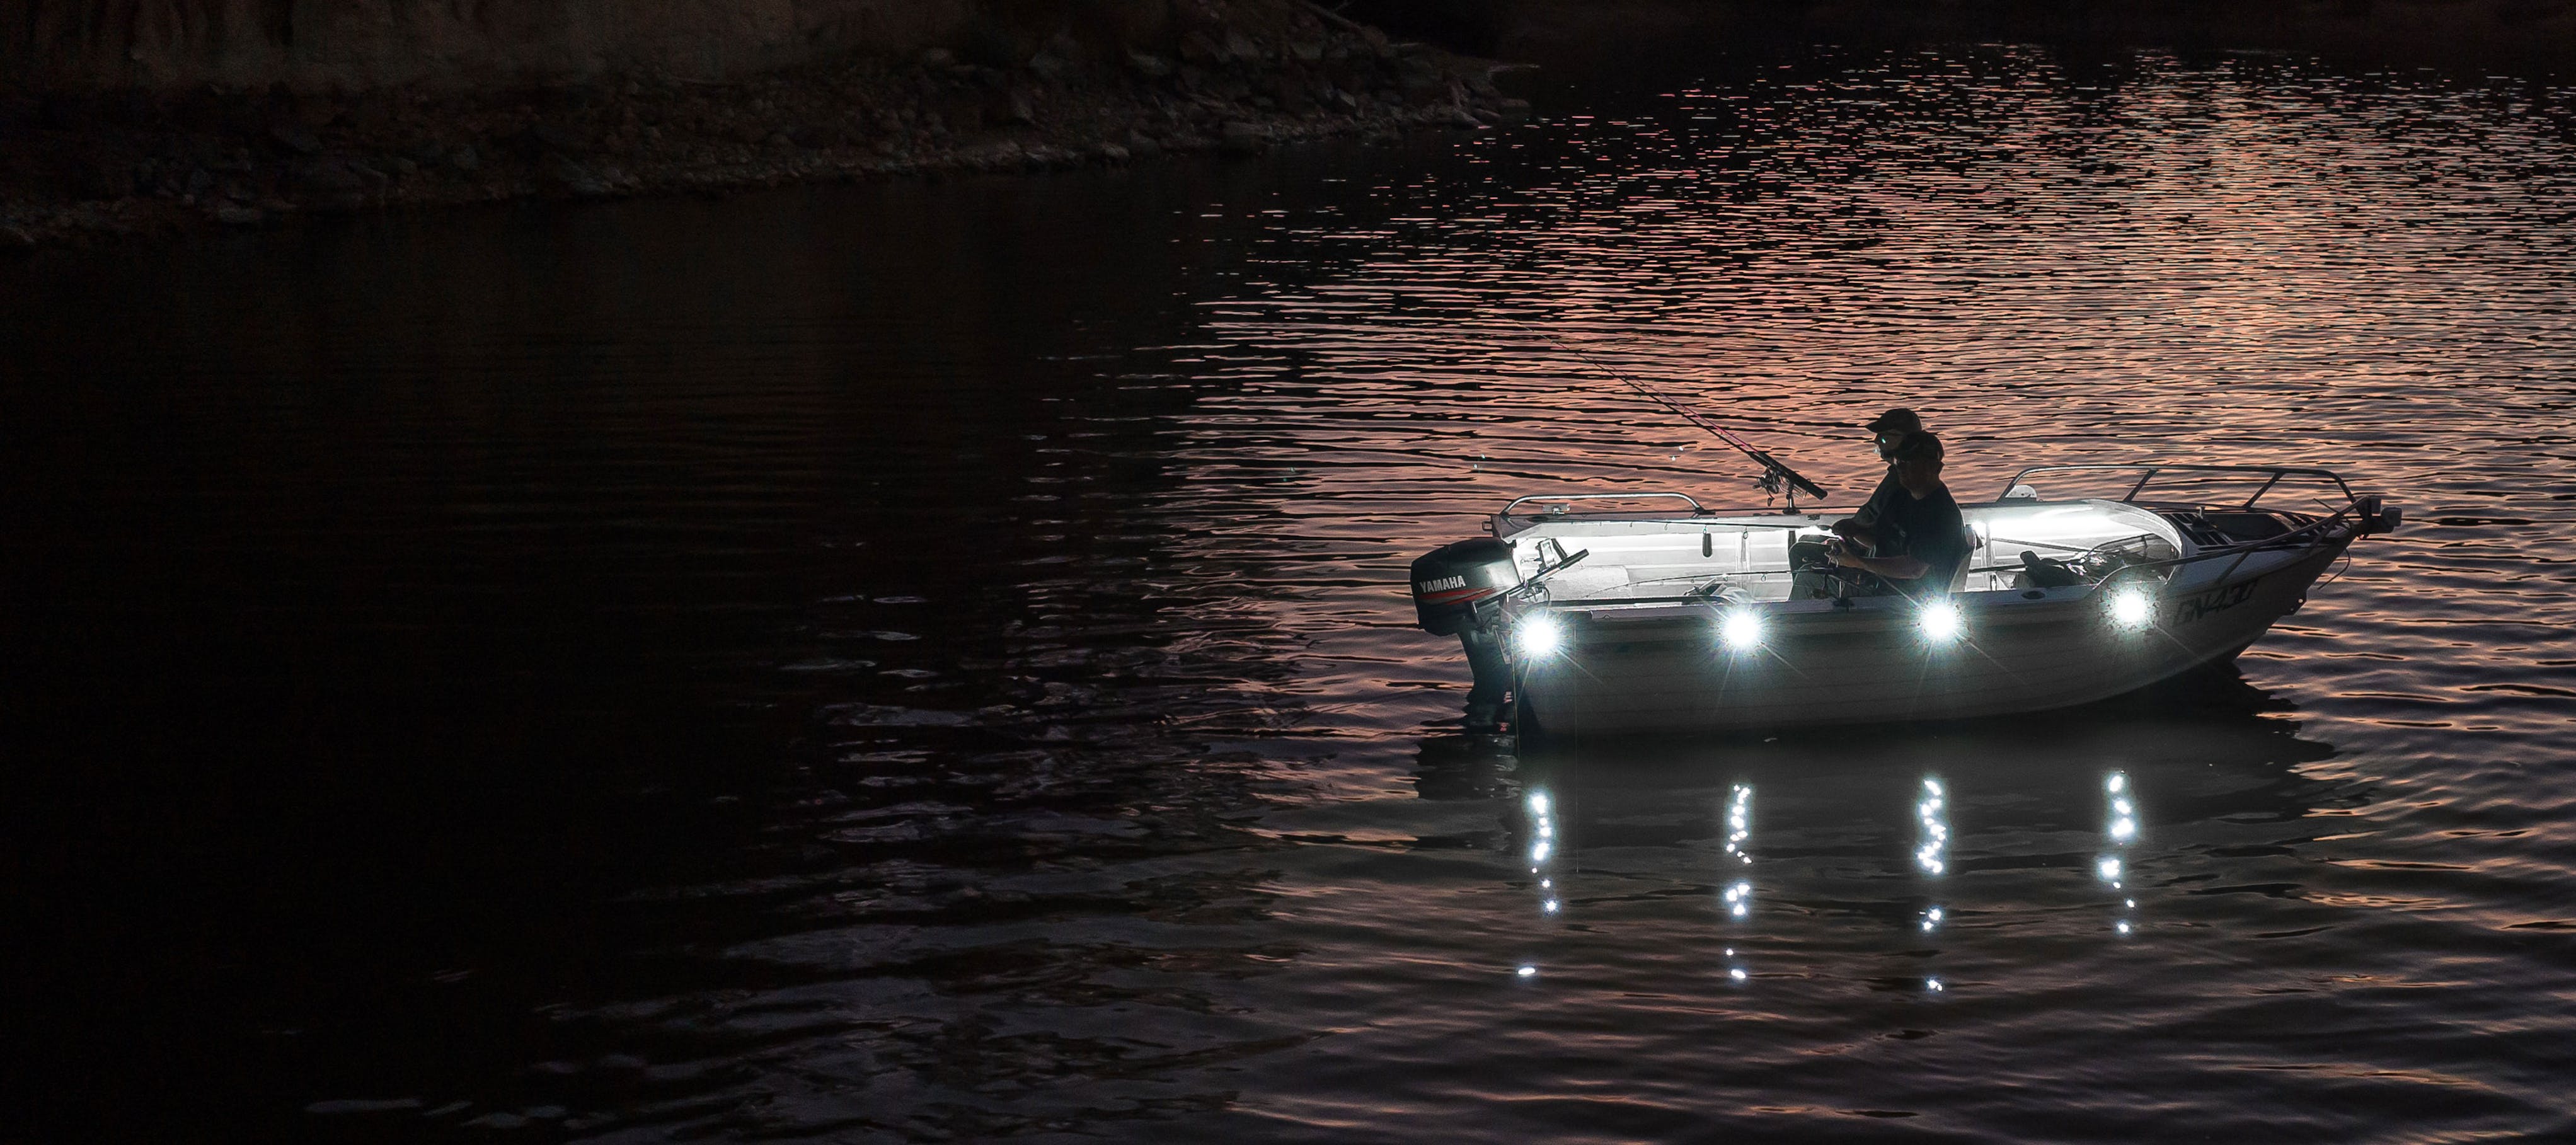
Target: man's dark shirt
1874 510
1929 530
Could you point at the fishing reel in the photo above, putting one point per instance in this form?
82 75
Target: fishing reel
1779 480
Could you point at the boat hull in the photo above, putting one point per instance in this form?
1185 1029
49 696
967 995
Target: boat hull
1871 662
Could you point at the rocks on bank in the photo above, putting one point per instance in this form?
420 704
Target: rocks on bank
1238 79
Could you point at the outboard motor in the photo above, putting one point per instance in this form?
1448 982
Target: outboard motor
1456 589
1450 582
2378 516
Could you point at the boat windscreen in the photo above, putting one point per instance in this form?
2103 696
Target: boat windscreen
2069 529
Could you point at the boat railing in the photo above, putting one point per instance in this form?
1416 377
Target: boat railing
2147 473
2357 512
2295 538
1697 510
2300 537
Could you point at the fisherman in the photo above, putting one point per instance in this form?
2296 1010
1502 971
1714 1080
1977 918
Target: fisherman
1921 538
1812 577
1892 429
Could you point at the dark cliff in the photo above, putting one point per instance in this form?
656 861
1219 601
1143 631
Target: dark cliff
342 105
361 44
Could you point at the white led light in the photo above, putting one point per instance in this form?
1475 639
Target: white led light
2132 608
1540 636
1742 631
1737 974
1941 622
2109 869
1538 802
1528 972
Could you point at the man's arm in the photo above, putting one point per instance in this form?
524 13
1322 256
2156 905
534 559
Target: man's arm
1892 568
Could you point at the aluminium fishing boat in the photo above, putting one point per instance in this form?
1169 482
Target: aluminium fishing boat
1583 615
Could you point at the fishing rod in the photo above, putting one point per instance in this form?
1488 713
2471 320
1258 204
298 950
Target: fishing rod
1777 477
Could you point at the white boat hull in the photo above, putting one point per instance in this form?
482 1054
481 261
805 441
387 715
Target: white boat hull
1682 619
1869 660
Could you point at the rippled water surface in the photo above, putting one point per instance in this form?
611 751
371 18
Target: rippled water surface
930 660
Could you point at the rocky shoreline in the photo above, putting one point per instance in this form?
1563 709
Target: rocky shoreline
76 169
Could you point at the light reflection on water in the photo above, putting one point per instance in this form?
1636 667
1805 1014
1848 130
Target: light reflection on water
2119 830
1119 795
2247 261
1542 853
2251 261
1932 851
1932 854
1738 896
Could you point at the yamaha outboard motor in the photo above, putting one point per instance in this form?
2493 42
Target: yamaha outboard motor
1451 581
1457 589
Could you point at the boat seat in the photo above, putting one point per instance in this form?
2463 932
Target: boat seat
1959 577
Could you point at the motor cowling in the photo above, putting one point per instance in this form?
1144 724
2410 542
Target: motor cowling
1449 583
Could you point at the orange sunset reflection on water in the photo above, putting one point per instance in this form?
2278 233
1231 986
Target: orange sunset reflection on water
2246 263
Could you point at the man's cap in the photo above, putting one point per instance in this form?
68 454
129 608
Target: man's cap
1919 446
1900 418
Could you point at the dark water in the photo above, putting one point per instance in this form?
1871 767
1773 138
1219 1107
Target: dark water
928 660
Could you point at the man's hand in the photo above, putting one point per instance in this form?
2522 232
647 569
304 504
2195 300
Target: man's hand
1892 568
